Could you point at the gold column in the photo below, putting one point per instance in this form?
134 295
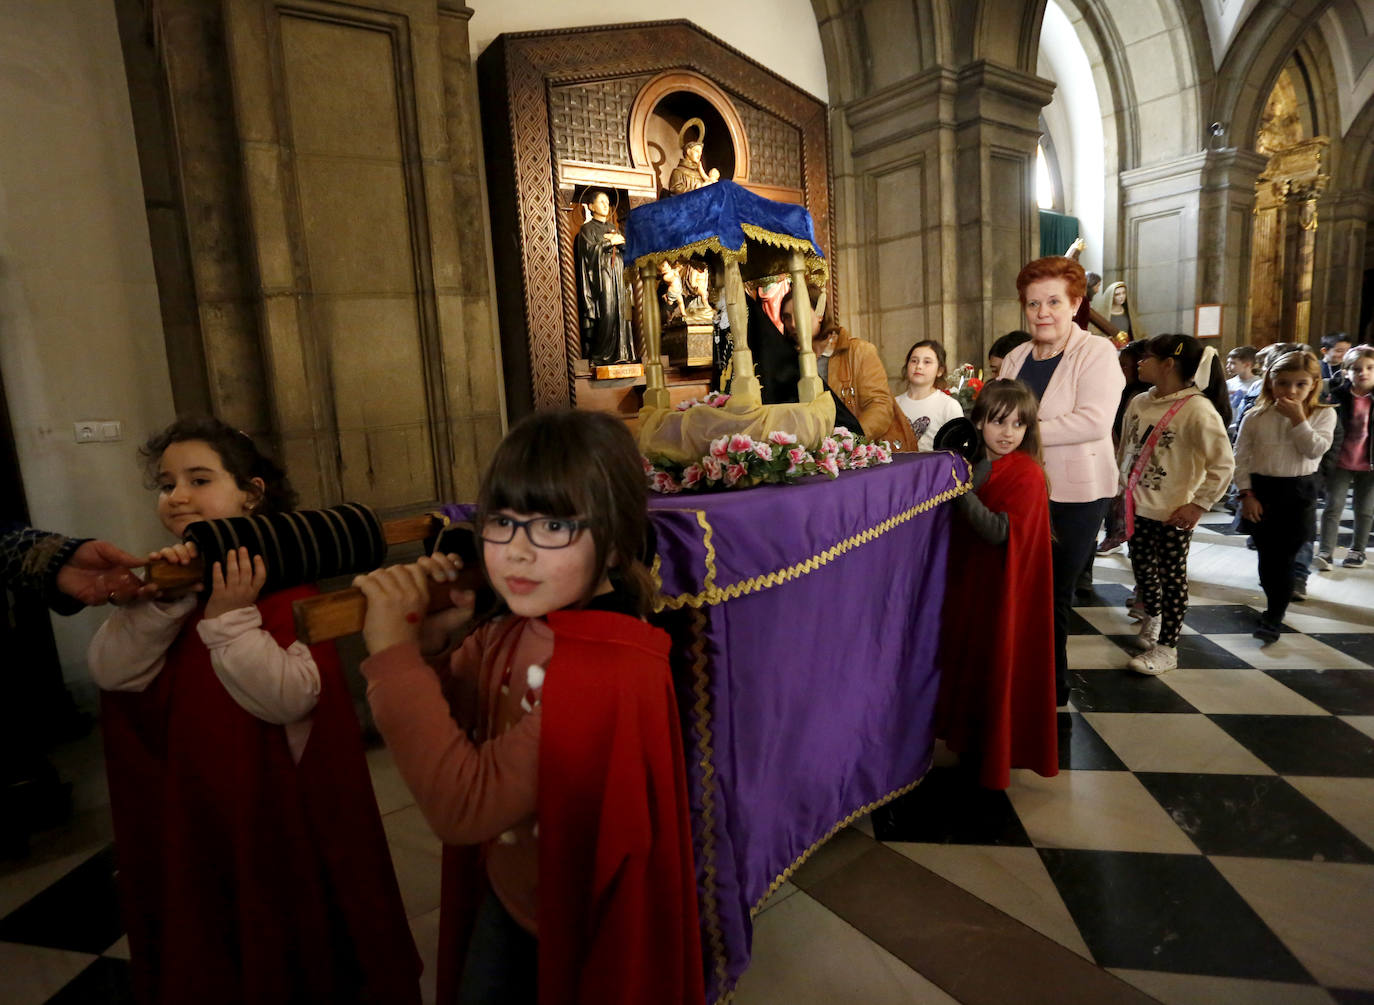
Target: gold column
656 391
809 384
745 390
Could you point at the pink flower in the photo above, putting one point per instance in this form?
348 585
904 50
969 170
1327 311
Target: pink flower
720 448
664 482
691 475
648 466
740 444
829 448
763 451
781 439
734 473
881 454
713 467
797 455
829 466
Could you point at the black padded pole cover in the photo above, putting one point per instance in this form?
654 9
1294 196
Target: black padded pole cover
298 547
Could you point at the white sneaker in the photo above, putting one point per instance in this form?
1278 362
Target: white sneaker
1155 661
1149 633
1321 561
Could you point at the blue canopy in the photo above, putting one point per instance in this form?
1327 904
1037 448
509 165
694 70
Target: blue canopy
718 217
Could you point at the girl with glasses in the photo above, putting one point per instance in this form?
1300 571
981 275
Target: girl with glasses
548 735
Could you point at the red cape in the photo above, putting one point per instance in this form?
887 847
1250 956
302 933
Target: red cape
617 885
244 876
997 676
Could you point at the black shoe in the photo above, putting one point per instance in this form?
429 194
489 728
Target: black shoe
1299 589
1267 630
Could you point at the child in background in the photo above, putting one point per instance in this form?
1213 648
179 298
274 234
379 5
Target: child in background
1281 443
1351 459
1240 370
1004 345
996 704
252 861
1177 463
924 402
1129 357
506 739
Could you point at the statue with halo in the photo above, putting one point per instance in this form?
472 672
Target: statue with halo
690 174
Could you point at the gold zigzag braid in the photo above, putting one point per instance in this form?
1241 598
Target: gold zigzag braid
864 810
675 255
712 595
701 726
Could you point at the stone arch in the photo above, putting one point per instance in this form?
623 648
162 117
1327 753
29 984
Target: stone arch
859 43
1354 171
1252 63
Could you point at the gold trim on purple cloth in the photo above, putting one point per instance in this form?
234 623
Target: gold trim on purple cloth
711 595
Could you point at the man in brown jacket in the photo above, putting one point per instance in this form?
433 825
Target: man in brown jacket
851 369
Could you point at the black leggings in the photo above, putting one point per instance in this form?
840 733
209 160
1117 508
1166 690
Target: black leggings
1159 561
1075 537
1288 520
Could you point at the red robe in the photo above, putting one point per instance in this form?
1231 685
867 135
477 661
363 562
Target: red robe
618 920
997 676
246 877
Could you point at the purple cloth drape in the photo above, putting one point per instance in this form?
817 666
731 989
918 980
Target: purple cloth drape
805 622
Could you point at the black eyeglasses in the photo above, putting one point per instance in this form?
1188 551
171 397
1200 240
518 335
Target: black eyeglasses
543 531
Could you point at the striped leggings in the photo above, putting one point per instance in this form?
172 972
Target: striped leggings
1159 560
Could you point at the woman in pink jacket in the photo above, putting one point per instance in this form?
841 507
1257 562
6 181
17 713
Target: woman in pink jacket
1079 382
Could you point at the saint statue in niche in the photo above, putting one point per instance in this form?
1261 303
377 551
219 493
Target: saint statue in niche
690 174
602 304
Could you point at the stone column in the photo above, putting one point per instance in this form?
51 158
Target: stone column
942 199
1225 222
1160 224
997 114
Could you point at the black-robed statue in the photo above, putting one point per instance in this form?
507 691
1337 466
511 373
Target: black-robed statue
602 308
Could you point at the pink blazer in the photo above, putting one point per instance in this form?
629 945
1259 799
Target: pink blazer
1076 416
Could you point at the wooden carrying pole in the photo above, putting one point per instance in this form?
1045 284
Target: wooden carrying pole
341 612
176 579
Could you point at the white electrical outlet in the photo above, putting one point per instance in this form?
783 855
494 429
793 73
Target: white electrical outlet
97 431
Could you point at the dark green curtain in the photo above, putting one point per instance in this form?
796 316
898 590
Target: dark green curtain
1057 232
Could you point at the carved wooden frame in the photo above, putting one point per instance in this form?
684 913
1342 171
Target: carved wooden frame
515 73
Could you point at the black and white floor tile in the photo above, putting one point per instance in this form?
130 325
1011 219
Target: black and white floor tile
1209 839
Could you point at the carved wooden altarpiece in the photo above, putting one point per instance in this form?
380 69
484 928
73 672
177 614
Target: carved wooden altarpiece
565 111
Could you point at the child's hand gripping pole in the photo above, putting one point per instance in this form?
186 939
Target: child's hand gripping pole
342 612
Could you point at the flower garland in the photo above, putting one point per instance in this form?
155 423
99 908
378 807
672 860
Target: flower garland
740 461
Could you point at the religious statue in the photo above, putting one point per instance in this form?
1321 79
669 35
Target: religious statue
669 292
690 174
607 337
697 308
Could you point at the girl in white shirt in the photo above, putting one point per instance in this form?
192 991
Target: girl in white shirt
1278 449
924 402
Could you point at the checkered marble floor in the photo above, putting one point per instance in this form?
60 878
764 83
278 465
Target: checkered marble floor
1210 836
1209 839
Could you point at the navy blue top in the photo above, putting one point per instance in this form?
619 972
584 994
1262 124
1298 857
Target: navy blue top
1036 373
